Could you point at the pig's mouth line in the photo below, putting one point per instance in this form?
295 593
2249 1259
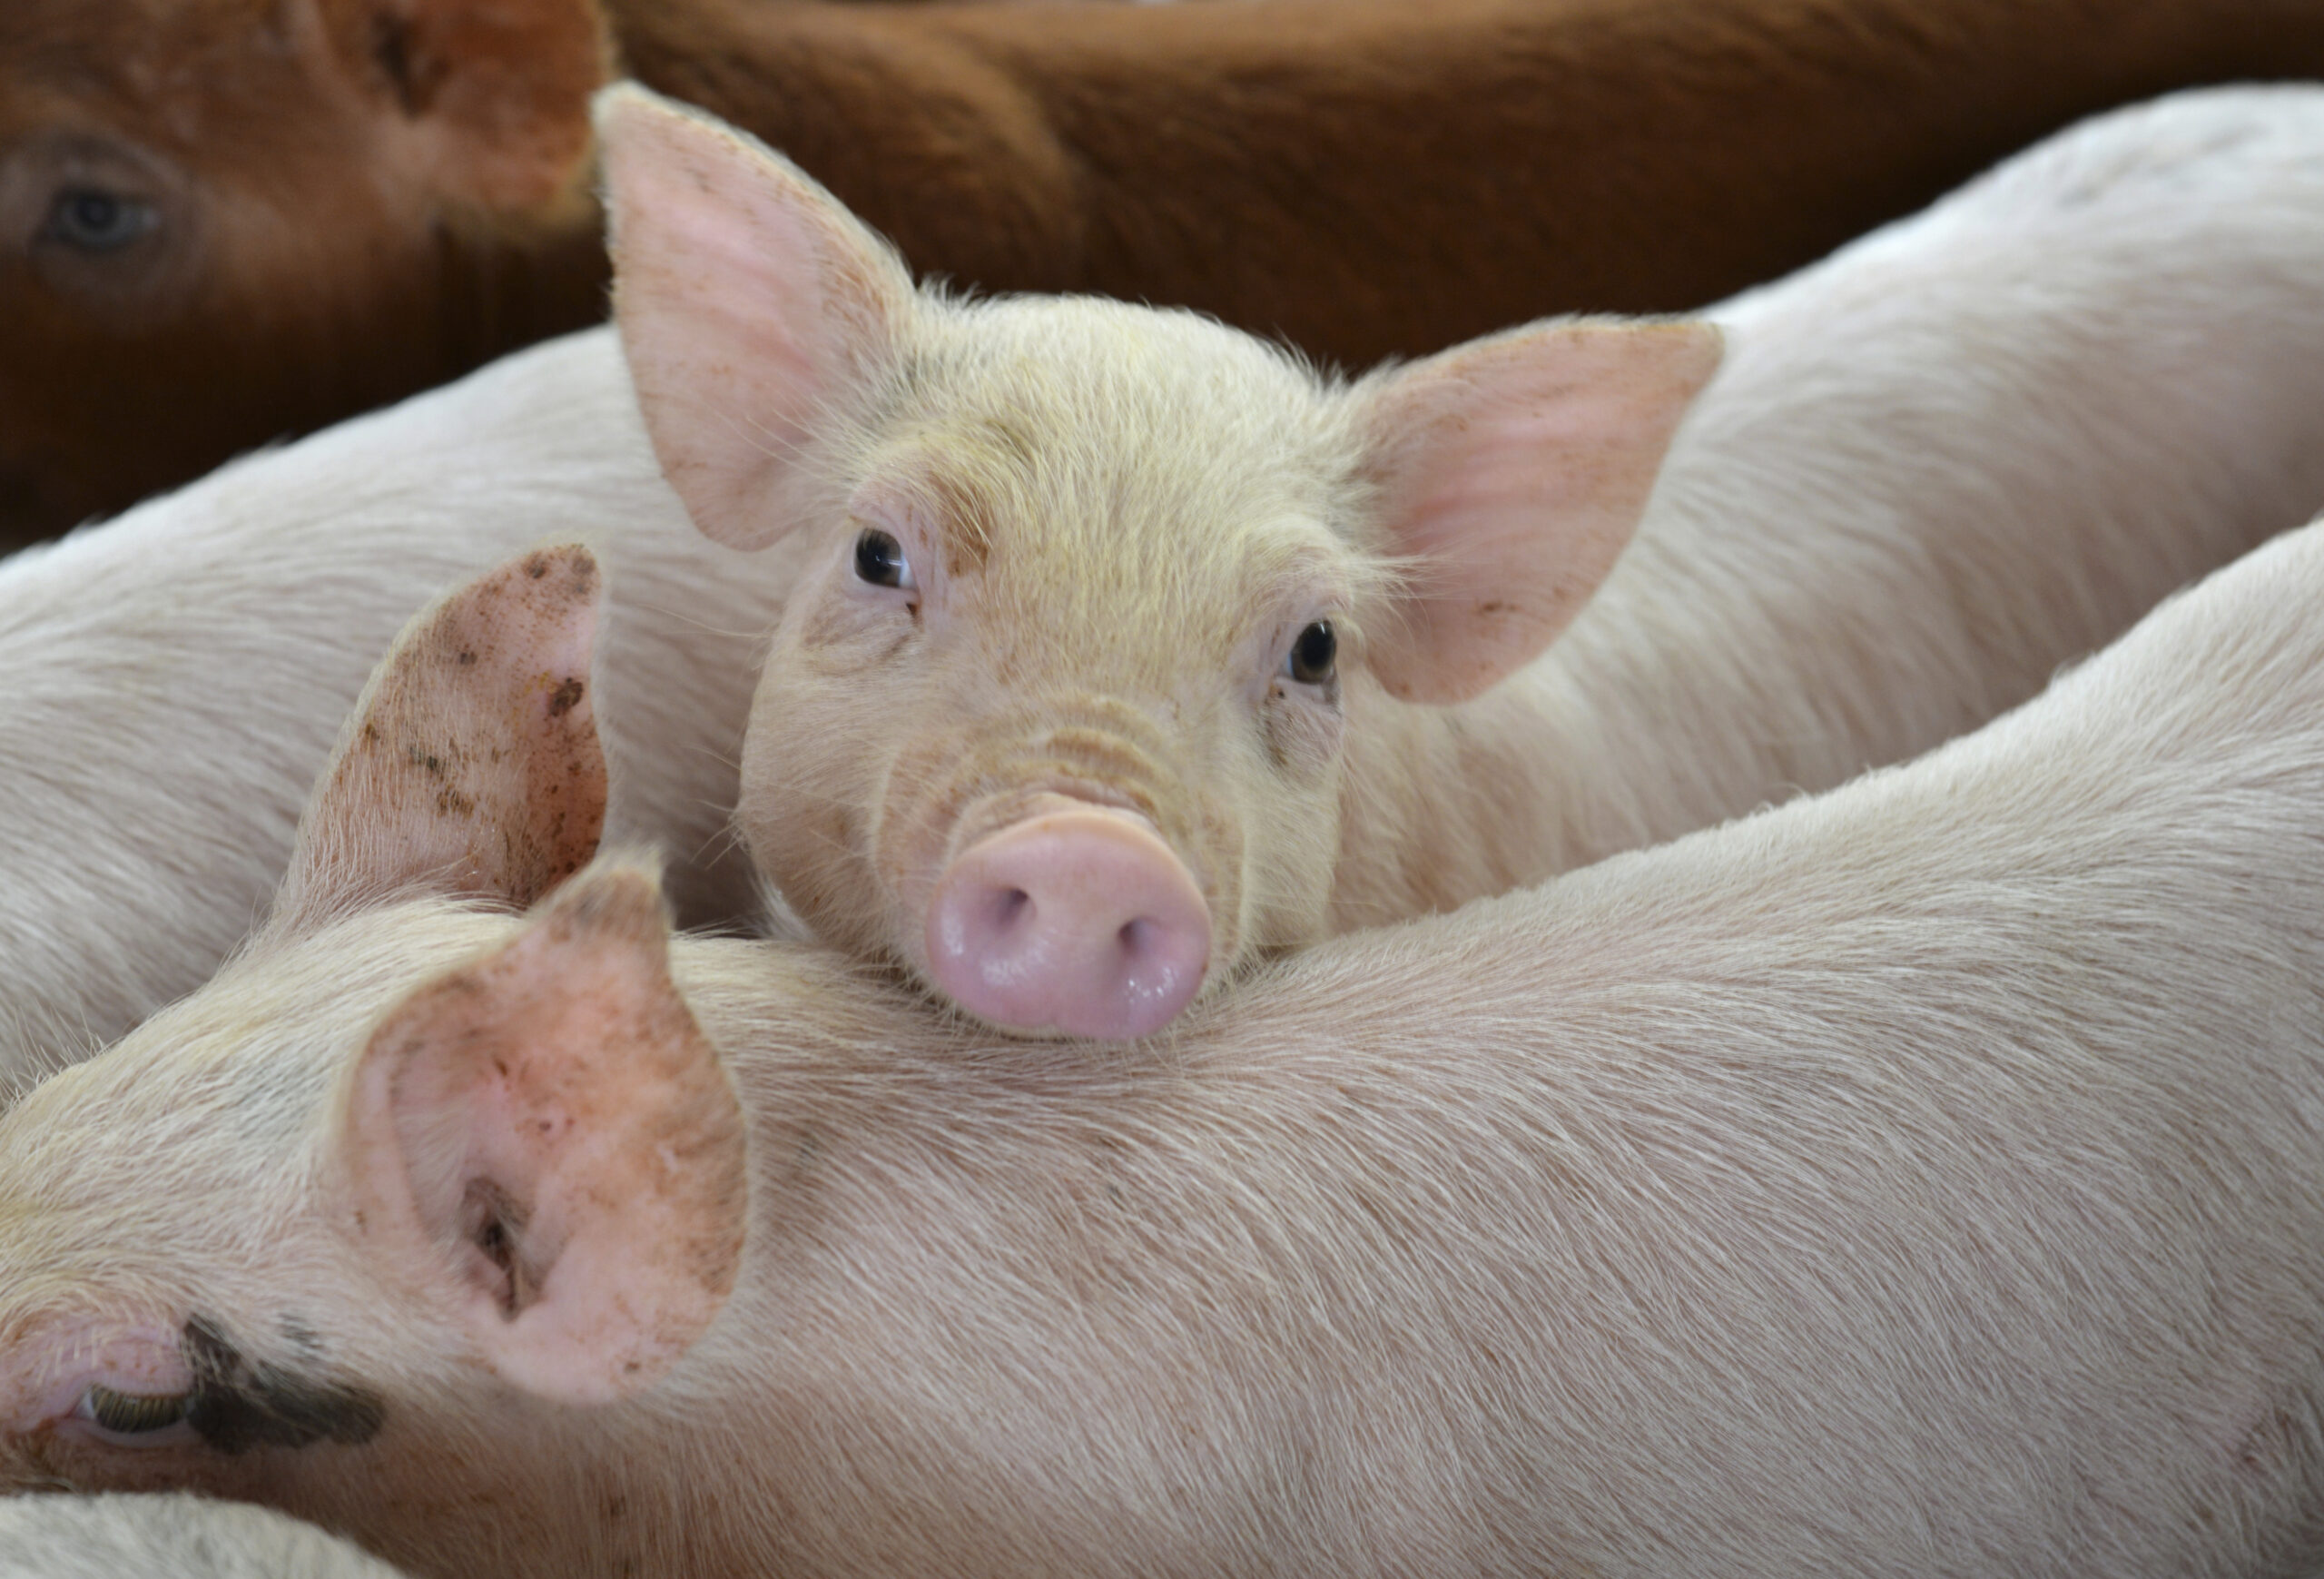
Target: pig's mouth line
1001 808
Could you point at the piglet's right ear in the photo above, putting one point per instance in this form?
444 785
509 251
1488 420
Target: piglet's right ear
471 766
749 301
549 1146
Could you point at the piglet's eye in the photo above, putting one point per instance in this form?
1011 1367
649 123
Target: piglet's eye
880 560
1314 655
131 1414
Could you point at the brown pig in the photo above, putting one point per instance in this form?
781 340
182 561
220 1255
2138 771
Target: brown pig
221 221
1132 648
1921 1179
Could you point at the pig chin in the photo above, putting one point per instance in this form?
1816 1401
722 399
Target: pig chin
1046 903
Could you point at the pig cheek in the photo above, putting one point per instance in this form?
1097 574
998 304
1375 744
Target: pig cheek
1297 803
812 765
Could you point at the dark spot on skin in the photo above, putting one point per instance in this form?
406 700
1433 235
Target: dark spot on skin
495 1226
467 658
1496 607
236 1404
428 761
537 565
565 698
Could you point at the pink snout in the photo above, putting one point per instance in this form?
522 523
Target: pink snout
1080 921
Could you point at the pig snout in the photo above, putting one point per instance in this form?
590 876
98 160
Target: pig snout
1079 921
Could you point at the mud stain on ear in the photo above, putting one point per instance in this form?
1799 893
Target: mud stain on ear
236 1404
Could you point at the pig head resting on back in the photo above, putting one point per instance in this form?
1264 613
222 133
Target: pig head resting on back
1059 721
1129 648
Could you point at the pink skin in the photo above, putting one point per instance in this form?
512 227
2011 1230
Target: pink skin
55 1371
1078 919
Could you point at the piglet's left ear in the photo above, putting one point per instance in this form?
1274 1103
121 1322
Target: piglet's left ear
1511 473
471 766
551 1145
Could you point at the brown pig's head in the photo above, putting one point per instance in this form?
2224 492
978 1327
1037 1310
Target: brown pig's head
351 1229
225 220
1095 592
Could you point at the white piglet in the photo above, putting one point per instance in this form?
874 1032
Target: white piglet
1131 648
1924 1179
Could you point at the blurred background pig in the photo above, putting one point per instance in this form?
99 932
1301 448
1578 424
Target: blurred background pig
1916 1178
226 221
1129 649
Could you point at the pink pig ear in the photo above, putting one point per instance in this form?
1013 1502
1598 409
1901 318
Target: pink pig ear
472 764
749 301
552 1145
1512 473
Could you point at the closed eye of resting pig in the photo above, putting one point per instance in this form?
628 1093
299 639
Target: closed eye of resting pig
1131 649
1920 1176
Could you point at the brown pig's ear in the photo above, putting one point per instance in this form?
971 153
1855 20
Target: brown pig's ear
547 1144
1511 473
750 303
471 765
490 96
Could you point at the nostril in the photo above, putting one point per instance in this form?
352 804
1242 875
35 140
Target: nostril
1009 906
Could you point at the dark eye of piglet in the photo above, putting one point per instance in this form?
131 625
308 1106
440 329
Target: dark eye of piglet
880 560
1314 657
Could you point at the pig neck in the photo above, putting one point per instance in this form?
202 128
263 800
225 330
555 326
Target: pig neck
1721 668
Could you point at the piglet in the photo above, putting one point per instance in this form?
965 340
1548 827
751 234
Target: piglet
1132 649
1918 1179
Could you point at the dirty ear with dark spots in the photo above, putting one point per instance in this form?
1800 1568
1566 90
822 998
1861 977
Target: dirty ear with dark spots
472 766
491 95
546 1145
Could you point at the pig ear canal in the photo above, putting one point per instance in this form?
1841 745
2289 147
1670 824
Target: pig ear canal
751 305
471 766
1510 476
493 95
551 1146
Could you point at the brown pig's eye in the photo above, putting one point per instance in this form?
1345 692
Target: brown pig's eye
880 560
90 218
1315 654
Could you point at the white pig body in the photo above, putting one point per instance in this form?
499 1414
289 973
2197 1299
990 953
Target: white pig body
1076 737
1923 1179
171 683
1930 469
168 1536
